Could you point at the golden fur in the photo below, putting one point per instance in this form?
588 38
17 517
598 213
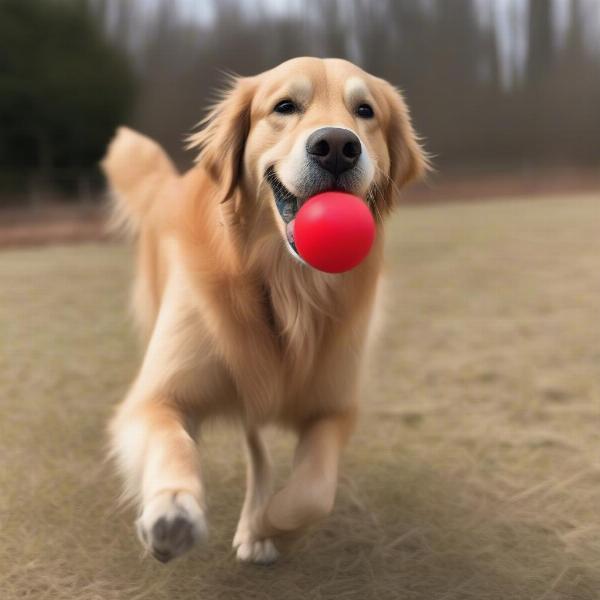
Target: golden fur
234 324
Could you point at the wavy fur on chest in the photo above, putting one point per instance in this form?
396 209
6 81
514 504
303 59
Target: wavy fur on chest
277 323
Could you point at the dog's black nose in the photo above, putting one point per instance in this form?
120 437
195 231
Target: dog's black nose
335 149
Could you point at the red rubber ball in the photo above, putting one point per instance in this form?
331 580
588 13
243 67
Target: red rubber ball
334 231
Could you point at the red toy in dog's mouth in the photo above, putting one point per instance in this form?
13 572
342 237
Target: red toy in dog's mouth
332 231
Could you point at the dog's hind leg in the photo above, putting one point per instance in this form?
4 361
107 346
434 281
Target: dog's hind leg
258 491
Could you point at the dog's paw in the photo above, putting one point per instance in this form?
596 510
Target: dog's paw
171 524
260 552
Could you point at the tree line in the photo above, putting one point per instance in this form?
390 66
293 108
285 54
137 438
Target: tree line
437 52
148 65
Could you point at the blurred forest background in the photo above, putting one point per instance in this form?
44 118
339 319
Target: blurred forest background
495 86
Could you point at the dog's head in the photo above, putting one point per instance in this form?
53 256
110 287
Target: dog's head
308 126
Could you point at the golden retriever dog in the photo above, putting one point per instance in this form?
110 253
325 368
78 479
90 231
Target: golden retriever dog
235 324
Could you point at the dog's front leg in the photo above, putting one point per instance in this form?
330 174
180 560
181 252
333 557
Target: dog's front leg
152 432
310 493
164 473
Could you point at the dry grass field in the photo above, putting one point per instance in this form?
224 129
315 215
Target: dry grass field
475 473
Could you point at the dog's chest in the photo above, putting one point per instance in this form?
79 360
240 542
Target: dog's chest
298 315
301 321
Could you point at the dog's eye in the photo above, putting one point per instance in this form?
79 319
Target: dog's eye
285 107
365 111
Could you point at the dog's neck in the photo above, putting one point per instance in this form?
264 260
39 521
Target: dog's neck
302 305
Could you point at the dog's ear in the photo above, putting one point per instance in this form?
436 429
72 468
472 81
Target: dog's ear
223 134
408 160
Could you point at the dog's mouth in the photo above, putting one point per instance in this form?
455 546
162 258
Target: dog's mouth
287 205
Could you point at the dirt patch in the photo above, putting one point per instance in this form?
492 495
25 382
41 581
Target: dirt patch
474 474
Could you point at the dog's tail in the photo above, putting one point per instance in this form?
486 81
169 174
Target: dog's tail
138 171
